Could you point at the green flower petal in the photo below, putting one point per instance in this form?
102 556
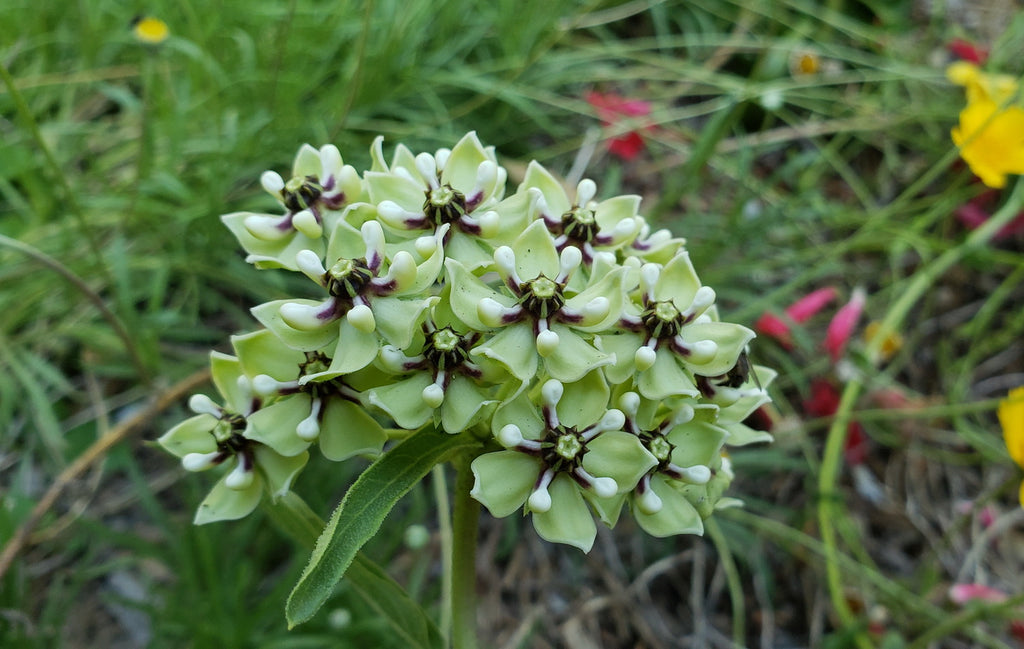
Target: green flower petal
472 252
226 504
618 455
464 405
261 352
666 378
731 339
622 347
278 470
740 434
345 242
610 287
554 194
399 319
392 187
466 293
403 400
269 315
569 520
678 281
504 480
583 402
696 442
279 253
607 509
536 253
355 350
275 425
225 371
516 348
347 430
191 436
466 156
522 412
307 162
613 210
573 358
677 515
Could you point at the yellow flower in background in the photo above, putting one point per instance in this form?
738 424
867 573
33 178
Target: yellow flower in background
999 88
149 30
1011 418
991 140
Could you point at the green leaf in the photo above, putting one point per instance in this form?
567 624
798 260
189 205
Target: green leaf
361 513
405 617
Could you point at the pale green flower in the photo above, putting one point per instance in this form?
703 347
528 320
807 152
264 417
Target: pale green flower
539 318
573 448
220 436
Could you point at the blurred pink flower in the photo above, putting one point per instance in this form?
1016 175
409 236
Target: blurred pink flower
975 213
799 312
611 108
963 593
841 327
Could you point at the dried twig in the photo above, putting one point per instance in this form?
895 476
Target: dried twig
92 454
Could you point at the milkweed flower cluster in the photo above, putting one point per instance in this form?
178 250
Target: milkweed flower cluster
563 332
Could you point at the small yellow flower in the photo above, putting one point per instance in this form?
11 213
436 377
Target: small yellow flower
991 140
999 88
149 30
1011 418
892 343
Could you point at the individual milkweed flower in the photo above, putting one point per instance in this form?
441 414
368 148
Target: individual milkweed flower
300 411
612 108
686 449
589 225
321 185
573 450
1011 419
457 188
372 299
221 435
150 30
442 382
540 320
799 312
668 336
841 327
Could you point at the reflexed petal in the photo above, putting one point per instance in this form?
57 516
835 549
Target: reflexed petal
536 253
621 346
348 430
278 470
392 187
554 194
225 371
275 425
678 281
403 400
226 504
677 515
619 456
504 480
355 350
467 291
269 315
740 434
515 348
466 156
523 413
569 520
731 340
279 253
696 442
666 378
398 319
261 352
191 436
574 357
584 402
464 404
307 162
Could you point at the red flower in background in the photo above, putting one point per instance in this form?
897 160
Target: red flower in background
841 327
977 211
799 312
611 108
967 51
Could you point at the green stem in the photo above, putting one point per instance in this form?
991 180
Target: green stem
828 504
444 524
465 519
